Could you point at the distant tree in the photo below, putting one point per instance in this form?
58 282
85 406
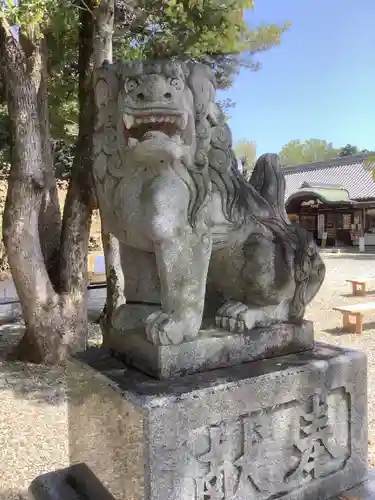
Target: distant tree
369 162
298 152
214 33
207 31
226 104
246 153
348 150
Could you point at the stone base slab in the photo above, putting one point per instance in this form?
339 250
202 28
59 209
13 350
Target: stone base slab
214 349
67 484
365 491
289 428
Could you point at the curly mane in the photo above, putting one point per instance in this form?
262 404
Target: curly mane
261 199
215 164
221 174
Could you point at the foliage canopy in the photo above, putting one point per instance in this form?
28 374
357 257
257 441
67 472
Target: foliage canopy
205 30
247 154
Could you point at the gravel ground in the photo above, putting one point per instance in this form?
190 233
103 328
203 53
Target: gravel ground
335 292
33 413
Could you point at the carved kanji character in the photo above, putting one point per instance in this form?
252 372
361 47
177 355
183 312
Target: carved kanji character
221 480
316 441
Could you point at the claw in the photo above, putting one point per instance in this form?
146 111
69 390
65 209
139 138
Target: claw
161 329
240 326
232 316
233 324
152 324
225 322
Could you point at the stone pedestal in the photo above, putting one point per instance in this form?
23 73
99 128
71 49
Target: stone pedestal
290 428
214 348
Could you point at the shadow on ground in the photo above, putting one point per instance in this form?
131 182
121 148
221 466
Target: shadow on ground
349 256
338 332
368 294
40 383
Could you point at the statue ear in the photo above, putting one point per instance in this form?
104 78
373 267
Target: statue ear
106 85
201 82
106 88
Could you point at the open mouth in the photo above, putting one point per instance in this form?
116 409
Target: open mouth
138 126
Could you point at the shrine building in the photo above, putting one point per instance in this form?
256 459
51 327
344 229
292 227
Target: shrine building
334 198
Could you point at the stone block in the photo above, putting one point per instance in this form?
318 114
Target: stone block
365 491
58 486
290 428
72 483
214 348
10 310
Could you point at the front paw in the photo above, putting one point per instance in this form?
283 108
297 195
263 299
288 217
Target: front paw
131 316
161 329
235 317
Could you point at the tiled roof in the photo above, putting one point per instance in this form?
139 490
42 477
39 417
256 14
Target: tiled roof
327 195
348 172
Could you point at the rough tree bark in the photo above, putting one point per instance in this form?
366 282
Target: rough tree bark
81 199
36 52
42 308
50 215
54 306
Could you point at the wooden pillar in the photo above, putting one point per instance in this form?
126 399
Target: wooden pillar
363 222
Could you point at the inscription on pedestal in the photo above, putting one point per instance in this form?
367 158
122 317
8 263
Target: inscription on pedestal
269 453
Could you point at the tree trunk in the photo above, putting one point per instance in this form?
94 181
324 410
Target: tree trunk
104 21
80 200
43 310
54 304
50 215
115 279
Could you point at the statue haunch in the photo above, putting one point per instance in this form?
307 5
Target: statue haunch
194 234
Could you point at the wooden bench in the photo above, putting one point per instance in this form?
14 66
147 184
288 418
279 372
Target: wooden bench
352 316
359 286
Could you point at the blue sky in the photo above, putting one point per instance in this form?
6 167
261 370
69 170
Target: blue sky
319 83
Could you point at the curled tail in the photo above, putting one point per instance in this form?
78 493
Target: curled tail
309 270
269 181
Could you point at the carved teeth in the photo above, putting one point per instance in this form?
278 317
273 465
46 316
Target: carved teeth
131 121
128 121
182 121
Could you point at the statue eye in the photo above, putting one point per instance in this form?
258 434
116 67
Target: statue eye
175 82
131 84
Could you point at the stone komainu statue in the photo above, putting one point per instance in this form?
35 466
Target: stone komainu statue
194 235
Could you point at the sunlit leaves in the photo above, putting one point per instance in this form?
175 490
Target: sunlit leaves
246 151
210 31
30 14
298 152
